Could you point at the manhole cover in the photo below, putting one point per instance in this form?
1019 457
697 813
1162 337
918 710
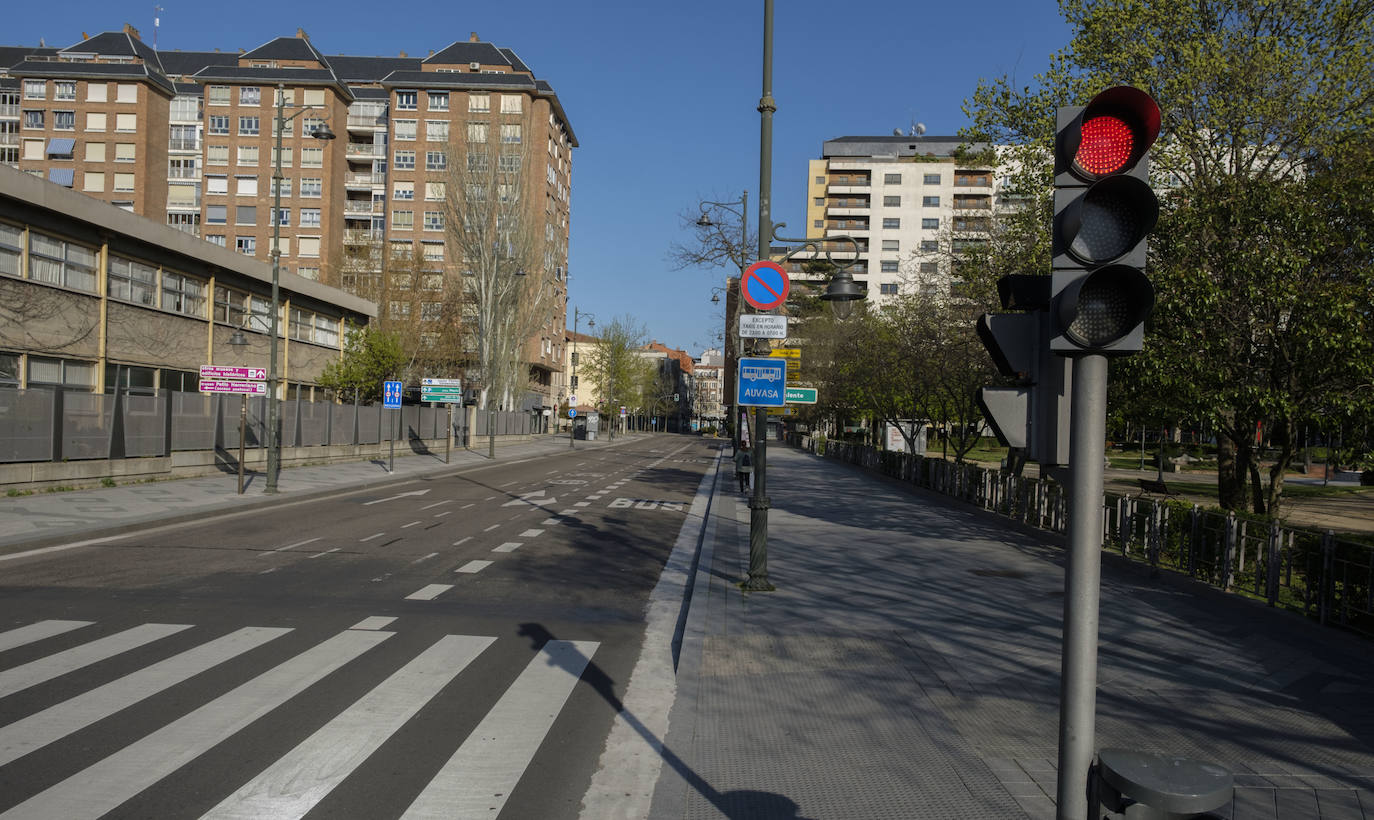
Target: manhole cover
998 573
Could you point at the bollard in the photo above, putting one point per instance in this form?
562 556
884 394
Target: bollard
1144 786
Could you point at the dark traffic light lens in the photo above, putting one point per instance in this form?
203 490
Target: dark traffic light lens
1106 305
1107 145
1110 219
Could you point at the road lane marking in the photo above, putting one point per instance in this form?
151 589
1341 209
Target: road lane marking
45 669
509 546
429 592
437 504
548 522
465 506
424 558
480 776
583 504
474 566
326 552
462 540
292 546
61 547
293 785
37 632
394 497
492 527
442 514
370 537
411 524
101 787
569 512
56 722
531 533
491 497
374 622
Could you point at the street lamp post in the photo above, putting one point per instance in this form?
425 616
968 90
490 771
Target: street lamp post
321 132
572 426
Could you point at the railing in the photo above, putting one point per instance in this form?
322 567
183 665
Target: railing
1317 574
364 178
367 120
183 144
355 149
852 182
362 236
9 111
366 208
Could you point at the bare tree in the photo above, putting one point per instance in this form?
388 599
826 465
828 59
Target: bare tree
721 240
505 293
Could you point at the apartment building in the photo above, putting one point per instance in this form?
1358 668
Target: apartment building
911 203
190 138
709 370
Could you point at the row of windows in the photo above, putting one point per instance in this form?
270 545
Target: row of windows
247 185
477 103
248 215
36 118
405 220
252 95
66 90
434 160
249 155
405 191
38 149
60 262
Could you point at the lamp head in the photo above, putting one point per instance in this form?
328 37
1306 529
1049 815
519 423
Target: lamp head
705 222
842 293
322 132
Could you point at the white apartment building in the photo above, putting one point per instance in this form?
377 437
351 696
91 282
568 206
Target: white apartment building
709 369
911 203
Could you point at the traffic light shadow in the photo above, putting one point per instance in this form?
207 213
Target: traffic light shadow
744 804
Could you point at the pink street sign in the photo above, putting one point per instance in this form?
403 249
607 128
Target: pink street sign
214 371
226 386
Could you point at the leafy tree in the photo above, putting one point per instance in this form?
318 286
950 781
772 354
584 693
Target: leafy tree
370 357
1255 95
614 364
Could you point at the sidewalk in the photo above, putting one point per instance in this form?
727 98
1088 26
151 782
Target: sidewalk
46 518
908 667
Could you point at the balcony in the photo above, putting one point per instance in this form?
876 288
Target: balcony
359 150
184 204
9 111
367 122
842 185
972 203
366 236
183 144
363 180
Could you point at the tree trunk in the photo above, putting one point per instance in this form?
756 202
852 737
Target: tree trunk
1230 475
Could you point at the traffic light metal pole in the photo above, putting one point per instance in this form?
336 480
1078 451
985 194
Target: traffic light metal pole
1082 578
758 503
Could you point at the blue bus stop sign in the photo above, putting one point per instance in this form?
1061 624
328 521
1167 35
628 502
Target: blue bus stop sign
762 382
391 394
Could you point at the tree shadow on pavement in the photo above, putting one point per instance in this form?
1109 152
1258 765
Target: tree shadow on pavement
742 804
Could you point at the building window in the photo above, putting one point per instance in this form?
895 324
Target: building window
888 288
248 155
892 201
64 120
312 187
403 161
130 281
59 262
404 191
245 214
126 152
126 123
247 245
183 294
433 252
246 186
43 370
11 249
438 100
929 245
93 181
479 103
818 201
930 267
126 92
312 157
216 184
250 95
61 148
185 109
95 152
287 156
436 191
95 121
436 130
35 89
477 131
217 95
283 217
215 239
216 215
930 224
892 245
889 266
510 134
434 220
231 306
931 179
123 183
930 202
216 155
33 118
405 129
892 179
250 126
285 185
512 104
217 124
310 217
436 161
407 100
403 220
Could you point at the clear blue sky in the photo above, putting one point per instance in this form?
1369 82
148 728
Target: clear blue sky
662 97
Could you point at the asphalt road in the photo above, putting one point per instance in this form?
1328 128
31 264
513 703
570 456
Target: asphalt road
455 646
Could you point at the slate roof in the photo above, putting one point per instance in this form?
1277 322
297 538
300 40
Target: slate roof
186 63
9 55
116 44
465 51
117 71
286 48
446 79
515 61
272 76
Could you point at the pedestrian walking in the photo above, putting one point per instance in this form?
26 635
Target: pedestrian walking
744 468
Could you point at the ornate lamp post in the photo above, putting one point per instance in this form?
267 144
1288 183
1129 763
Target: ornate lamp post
321 132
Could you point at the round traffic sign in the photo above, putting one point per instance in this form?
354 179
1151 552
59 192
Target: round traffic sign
572 412
764 285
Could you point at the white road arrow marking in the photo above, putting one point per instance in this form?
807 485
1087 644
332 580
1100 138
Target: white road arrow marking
536 498
394 497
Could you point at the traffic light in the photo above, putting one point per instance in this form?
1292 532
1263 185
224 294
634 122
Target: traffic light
1103 210
1033 416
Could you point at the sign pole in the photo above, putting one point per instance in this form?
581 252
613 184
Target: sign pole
448 435
243 424
396 431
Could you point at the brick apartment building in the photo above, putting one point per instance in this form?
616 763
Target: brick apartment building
189 138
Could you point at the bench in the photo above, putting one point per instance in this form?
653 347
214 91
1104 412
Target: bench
1148 485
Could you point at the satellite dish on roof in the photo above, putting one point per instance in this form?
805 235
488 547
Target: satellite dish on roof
896 132
918 129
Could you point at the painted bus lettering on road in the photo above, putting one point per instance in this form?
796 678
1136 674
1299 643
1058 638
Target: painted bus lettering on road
648 504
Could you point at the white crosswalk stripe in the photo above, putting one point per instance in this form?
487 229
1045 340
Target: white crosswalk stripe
475 781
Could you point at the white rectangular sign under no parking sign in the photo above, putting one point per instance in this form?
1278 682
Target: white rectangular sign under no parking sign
762 326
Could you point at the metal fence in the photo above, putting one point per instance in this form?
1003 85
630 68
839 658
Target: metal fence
1318 574
70 425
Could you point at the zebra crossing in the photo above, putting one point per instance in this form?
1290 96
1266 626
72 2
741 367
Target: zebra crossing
474 780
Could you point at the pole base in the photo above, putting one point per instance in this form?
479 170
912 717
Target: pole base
752 584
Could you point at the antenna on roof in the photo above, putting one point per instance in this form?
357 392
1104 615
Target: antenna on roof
156 21
918 129
896 132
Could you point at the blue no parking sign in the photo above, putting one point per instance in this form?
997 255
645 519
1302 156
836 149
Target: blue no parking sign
762 382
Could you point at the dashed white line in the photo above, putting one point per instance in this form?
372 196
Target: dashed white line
509 546
429 593
293 546
442 514
583 504
373 623
474 566
465 506
437 504
569 512
411 524
492 527
424 557
462 540
370 537
326 552
531 533
491 497
548 522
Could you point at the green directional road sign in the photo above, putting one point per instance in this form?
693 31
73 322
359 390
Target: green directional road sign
447 395
800 395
